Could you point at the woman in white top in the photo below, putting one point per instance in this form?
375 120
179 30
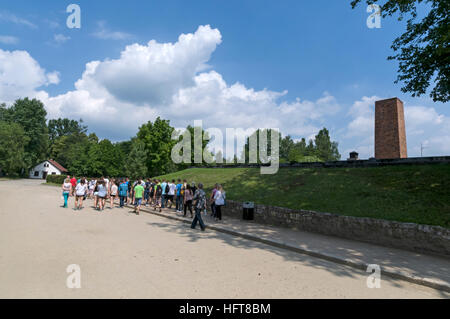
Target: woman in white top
113 193
67 189
80 192
102 193
219 201
91 188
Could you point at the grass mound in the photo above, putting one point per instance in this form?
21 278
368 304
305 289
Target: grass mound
409 193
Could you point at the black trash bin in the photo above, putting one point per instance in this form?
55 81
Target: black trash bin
248 210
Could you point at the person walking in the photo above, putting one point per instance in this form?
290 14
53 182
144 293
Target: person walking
164 192
138 195
179 195
91 188
157 201
213 204
188 200
219 201
193 188
66 190
73 181
80 192
172 192
96 194
147 191
151 192
130 191
113 193
200 204
102 193
123 190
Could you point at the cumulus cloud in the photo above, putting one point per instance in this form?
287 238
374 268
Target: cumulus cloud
21 75
173 80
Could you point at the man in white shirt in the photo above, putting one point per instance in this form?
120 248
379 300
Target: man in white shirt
172 192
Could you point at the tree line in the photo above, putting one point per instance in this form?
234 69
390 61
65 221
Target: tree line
27 138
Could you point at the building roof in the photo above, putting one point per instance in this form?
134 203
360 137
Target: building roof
57 165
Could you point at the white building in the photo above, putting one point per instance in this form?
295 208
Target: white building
48 167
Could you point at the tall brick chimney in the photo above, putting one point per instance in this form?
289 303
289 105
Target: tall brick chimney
390 136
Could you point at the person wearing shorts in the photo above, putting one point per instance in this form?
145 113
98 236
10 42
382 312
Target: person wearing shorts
114 192
80 192
138 195
102 193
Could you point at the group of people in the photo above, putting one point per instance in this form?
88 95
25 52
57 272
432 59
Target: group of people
151 192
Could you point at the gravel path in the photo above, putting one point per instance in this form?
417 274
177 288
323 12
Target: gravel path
122 255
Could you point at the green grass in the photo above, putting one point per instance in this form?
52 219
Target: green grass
418 194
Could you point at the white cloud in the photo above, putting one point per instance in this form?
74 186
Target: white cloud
363 117
9 17
173 80
60 38
105 34
7 39
21 75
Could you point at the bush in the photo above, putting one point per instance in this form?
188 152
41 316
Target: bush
56 179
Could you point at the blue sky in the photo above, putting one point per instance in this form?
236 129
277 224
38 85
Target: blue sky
322 53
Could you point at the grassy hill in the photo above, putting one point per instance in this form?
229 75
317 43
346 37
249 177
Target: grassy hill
419 193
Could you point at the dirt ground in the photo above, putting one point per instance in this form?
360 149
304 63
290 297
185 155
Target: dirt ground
122 255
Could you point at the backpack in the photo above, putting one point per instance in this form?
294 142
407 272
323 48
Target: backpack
152 188
158 190
167 189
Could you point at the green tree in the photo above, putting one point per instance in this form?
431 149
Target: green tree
297 151
13 139
62 127
310 149
135 166
286 146
268 133
30 114
423 50
219 157
157 139
105 159
5 113
324 148
71 151
205 140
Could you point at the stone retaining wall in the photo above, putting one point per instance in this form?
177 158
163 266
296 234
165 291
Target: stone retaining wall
410 236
